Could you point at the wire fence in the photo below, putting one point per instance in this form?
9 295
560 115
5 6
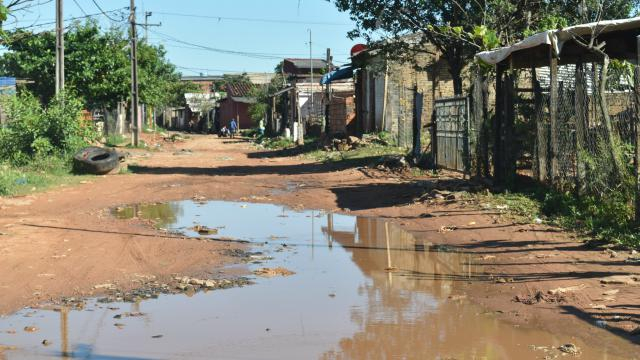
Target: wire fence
586 142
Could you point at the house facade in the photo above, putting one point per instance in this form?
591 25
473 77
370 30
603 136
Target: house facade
236 105
386 90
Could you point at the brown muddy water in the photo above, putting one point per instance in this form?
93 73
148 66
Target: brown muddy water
341 303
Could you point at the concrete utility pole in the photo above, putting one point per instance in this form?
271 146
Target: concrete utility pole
59 47
134 76
147 15
311 111
325 126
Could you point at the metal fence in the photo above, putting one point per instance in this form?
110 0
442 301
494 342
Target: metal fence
587 145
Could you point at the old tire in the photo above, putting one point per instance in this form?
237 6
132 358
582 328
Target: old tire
95 160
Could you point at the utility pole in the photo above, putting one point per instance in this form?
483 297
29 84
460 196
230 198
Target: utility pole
59 47
325 127
311 65
147 15
134 76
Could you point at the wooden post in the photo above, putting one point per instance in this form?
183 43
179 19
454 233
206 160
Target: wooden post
509 156
418 100
498 150
479 139
540 170
637 132
581 124
553 114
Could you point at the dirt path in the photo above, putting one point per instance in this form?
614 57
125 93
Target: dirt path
65 241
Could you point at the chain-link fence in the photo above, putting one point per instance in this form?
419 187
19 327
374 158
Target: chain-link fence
576 134
587 145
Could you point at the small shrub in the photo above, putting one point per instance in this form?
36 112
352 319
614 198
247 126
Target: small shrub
33 131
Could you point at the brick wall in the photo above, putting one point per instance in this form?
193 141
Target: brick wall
342 112
433 80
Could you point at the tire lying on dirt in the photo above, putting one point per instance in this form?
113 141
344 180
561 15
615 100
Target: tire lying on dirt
95 160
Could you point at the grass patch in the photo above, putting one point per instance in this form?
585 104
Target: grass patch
363 152
313 149
600 220
141 145
277 143
38 175
116 140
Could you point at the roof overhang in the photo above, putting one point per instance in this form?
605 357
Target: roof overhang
533 50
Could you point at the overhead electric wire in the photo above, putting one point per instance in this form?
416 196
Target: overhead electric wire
217 50
104 13
68 19
80 7
279 55
263 20
196 70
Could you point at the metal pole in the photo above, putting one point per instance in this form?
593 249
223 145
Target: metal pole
134 76
59 47
325 127
146 25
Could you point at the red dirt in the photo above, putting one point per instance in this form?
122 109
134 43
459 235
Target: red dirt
64 242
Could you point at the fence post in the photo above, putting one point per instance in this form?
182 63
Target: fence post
553 114
479 110
498 154
540 170
417 123
508 133
581 125
636 123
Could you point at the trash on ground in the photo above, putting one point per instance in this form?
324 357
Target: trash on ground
569 348
271 272
562 290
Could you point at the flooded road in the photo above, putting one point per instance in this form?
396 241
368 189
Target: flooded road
361 289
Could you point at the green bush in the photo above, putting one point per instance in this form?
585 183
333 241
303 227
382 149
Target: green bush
33 131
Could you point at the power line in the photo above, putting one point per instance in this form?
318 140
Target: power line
68 19
103 12
222 51
80 7
197 70
263 20
279 55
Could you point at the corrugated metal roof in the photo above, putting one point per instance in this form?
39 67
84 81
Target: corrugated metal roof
306 63
239 89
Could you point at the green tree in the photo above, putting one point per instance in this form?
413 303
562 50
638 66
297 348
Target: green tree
458 29
97 66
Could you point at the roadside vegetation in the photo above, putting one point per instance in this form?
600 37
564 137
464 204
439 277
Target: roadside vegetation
43 130
353 150
38 141
606 219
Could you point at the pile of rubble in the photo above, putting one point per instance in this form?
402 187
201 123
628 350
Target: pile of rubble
346 144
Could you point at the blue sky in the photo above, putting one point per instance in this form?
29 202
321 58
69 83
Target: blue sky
281 32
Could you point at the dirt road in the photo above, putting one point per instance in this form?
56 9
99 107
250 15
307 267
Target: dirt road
65 242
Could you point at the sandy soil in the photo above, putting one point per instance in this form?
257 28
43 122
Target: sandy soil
65 241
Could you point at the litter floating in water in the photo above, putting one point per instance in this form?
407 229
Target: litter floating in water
279 271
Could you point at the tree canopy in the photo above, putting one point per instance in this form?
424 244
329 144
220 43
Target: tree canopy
97 66
460 28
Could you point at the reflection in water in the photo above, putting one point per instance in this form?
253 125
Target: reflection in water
64 332
163 213
363 289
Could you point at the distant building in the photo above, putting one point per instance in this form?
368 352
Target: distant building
236 105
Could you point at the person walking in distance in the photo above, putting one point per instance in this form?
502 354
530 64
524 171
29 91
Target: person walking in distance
233 127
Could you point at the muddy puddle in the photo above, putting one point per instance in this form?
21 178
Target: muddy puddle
354 288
